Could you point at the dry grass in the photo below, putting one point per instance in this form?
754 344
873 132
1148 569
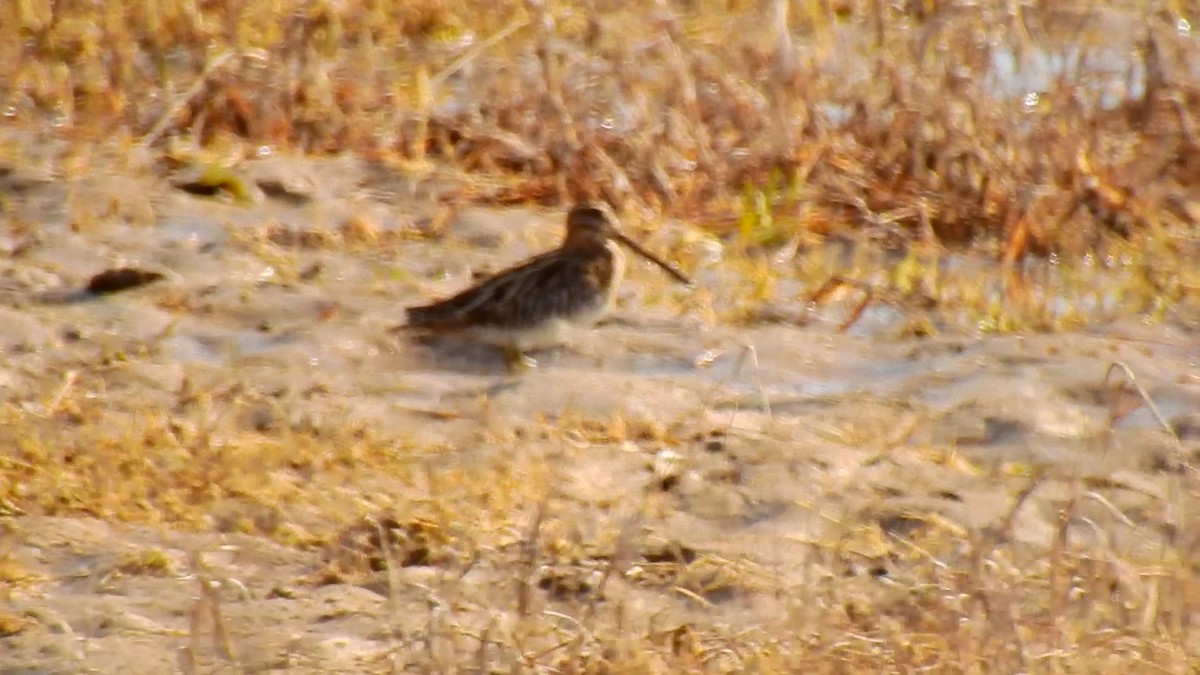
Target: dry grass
1014 130
775 126
915 121
506 571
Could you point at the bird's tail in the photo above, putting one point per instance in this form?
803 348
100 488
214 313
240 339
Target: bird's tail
428 318
416 317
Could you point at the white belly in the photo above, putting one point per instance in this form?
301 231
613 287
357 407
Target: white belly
547 334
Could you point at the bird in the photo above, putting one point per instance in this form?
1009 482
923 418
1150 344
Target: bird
538 303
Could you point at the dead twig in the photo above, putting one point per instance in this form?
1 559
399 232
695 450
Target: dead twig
180 103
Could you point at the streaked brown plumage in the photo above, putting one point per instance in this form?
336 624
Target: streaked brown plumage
538 302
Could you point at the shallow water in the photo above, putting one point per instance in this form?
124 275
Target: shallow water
235 298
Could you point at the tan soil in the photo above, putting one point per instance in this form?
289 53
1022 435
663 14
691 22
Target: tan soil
736 473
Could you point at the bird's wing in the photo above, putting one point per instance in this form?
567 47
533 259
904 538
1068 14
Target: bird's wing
548 286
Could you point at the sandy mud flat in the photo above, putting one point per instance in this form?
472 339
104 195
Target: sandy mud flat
198 473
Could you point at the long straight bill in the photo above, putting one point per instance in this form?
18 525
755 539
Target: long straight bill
667 267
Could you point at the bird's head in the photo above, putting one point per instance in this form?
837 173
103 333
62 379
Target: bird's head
590 222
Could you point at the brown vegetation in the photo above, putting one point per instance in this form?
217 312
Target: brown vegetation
1021 124
1022 134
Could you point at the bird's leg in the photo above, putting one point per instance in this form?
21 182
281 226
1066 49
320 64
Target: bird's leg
516 360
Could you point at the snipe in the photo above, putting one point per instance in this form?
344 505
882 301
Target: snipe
539 302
